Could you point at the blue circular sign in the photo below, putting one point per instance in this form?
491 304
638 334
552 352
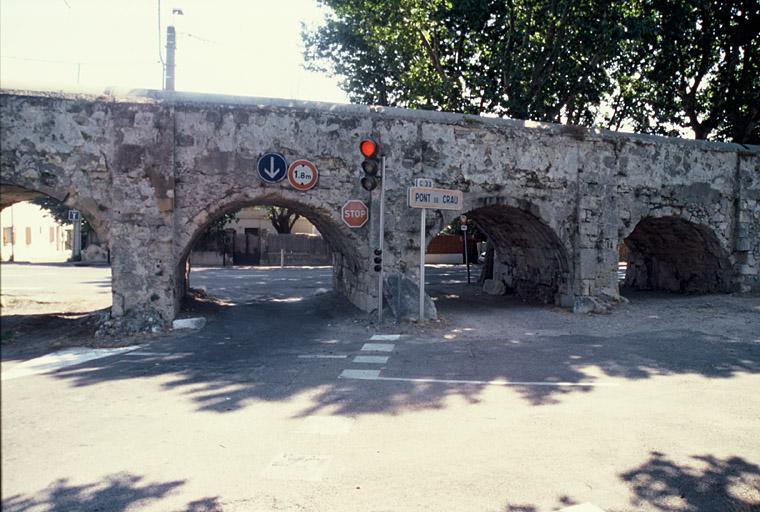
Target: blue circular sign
272 167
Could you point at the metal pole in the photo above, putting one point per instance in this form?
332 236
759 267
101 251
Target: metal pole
422 264
282 258
398 297
171 45
76 244
382 240
466 256
13 237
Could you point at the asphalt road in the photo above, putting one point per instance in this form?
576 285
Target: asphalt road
280 404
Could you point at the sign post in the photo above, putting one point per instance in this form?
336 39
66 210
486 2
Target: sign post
463 227
382 240
426 198
76 244
423 248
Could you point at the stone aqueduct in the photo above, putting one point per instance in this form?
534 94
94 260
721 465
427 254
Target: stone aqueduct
151 170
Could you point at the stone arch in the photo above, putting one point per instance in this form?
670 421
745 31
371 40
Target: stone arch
672 253
531 249
349 255
14 192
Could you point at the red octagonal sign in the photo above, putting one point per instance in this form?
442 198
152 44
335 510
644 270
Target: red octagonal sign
354 213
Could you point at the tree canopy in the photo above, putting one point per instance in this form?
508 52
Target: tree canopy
59 211
657 66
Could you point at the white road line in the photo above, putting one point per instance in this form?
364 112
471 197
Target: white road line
375 375
321 356
325 425
60 359
583 507
360 374
385 337
309 468
378 347
371 359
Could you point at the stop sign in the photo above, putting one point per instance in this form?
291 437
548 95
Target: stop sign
354 213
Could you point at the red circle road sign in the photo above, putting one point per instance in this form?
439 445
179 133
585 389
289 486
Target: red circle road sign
354 213
303 175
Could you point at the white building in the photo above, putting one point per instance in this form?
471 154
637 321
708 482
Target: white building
31 234
255 220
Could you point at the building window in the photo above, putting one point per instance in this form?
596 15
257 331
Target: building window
28 236
52 235
7 236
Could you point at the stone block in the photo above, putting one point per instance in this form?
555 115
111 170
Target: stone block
402 295
494 287
189 323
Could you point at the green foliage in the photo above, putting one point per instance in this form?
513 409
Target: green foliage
655 65
215 237
692 64
472 230
282 219
59 211
544 60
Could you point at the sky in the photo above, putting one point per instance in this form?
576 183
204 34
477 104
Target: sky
243 47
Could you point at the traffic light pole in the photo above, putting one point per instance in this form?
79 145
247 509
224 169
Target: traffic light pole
380 244
423 212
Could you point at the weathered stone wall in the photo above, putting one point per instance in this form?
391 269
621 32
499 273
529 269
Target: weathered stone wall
152 172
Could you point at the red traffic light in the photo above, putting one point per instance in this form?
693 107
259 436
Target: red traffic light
369 148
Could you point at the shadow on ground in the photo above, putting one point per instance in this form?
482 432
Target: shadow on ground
709 484
116 493
712 483
28 336
249 353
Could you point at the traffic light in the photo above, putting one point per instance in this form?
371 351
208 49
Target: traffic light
378 260
371 165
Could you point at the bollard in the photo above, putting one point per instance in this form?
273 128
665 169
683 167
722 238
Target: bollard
282 258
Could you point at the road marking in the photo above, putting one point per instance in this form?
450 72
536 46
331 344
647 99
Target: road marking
385 337
297 467
360 374
60 359
371 359
321 356
375 375
378 347
325 425
583 507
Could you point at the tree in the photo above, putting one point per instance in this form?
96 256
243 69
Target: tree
693 64
282 219
544 60
216 237
59 211
658 66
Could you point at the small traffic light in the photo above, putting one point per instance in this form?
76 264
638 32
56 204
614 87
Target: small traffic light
378 260
371 165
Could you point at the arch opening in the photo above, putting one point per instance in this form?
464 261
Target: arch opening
258 262
49 294
517 255
674 255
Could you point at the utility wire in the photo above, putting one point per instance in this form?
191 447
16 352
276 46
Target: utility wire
109 62
160 55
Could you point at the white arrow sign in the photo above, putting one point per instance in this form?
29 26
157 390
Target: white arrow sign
272 170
